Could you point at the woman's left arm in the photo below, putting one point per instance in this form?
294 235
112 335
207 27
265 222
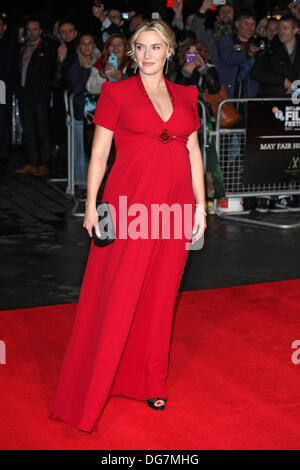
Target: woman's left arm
198 185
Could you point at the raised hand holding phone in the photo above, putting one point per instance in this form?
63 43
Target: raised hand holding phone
98 9
113 61
177 8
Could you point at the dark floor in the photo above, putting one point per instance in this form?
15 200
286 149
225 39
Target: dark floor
44 248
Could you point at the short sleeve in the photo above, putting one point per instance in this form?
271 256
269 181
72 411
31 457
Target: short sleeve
108 106
195 95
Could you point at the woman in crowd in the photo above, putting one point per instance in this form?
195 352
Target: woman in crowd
194 68
104 70
77 75
261 28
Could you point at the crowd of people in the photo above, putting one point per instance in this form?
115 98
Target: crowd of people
248 57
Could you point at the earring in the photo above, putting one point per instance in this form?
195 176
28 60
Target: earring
136 66
167 62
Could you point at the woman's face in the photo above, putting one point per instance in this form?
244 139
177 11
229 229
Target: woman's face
116 47
262 28
86 45
150 52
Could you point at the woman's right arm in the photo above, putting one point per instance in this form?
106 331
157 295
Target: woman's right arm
100 152
95 82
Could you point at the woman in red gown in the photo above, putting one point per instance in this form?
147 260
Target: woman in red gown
121 335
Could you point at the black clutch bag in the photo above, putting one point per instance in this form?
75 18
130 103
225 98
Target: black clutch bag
106 226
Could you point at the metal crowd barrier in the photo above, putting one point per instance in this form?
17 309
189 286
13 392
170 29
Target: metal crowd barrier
72 149
69 192
72 182
16 127
233 174
71 153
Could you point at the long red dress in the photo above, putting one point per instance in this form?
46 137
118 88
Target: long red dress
121 335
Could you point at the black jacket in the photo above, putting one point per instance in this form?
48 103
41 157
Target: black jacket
7 59
40 72
271 69
206 80
77 77
60 81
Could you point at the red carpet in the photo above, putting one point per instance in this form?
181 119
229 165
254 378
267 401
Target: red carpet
232 383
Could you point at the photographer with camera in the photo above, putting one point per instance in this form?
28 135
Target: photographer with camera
236 57
276 70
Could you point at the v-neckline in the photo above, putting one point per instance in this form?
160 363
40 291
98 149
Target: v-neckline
169 90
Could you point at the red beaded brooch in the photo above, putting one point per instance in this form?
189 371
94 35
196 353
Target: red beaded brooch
164 136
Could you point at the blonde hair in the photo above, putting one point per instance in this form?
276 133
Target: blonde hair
163 29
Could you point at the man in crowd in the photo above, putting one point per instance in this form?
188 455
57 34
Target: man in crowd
66 53
236 57
110 23
277 70
7 53
134 22
36 67
68 38
272 28
222 25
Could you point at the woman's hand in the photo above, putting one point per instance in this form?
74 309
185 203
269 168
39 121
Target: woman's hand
62 51
199 225
117 74
111 72
206 5
177 8
109 67
295 9
91 220
199 61
189 67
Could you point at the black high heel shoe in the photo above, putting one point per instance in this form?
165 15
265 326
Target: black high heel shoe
151 402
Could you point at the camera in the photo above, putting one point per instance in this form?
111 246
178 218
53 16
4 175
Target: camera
190 58
263 44
260 42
